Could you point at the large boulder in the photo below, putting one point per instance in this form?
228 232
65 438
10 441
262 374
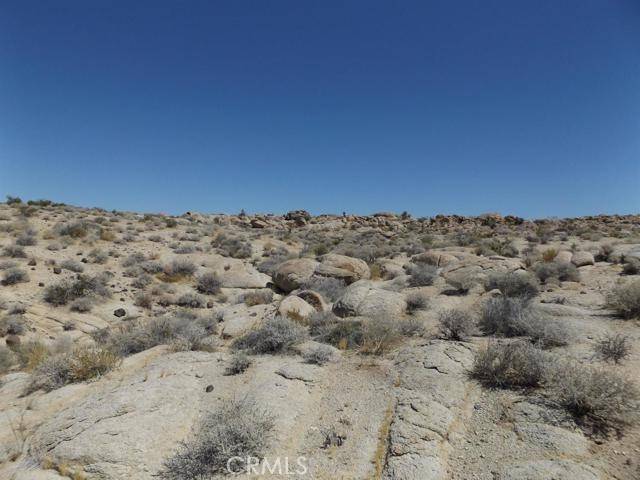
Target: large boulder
563 256
295 307
582 258
438 259
292 273
363 298
346 268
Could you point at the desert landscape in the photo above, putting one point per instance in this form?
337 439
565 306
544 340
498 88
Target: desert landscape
145 346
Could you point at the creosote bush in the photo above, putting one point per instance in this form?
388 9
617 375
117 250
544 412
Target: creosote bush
239 429
456 324
625 299
14 251
565 272
330 288
508 365
275 335
7 359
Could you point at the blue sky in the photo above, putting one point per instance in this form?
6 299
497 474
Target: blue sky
523 107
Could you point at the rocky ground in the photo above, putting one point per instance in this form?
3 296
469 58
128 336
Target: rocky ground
359 338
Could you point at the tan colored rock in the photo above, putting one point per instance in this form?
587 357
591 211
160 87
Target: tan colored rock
582 258
295 307
346 268
438 259
563 256
292 273
363 298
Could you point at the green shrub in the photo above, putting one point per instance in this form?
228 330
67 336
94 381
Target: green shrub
513 284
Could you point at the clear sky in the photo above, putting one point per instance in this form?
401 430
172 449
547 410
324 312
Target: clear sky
523 107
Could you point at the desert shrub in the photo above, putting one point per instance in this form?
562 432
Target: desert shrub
30 354
379 335
232 246
238 363
13 200
144 300
83 363
151 266
182 331
209 283
275 335
141 281
549 254
98 256
7 264
239 429
191 300
411 327
508 365
330 288
513 317
598 397
72 266
604 253
455 324
260 297
14 251
318 355
559 270
82 305
625 299
133 259
73 230
7 359
422 275
12 324
14 276
417 301
631 267
179 268
184 249
65 292
613 347
343 334
27 239
496 246
513 284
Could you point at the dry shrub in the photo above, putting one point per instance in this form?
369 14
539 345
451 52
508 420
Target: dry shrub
275 335
456 324
83 363
598 397
625 299
613 347
508 365
239 429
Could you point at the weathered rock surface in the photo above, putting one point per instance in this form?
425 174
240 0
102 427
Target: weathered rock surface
363 298
345 268
292 273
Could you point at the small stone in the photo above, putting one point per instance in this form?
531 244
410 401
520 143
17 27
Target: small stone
209 389
57 270
119 312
